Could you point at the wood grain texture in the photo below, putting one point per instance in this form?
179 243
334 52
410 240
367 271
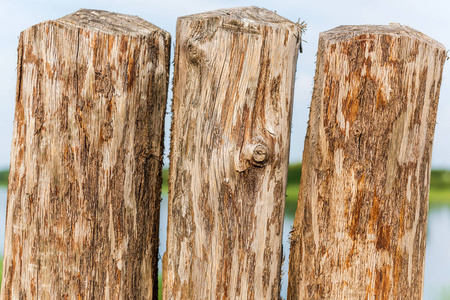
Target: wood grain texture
85 181
361 222
232 107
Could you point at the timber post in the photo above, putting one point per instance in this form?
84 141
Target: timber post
361 222
85 181
232 107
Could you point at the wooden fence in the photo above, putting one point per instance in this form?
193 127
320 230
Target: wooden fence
85 181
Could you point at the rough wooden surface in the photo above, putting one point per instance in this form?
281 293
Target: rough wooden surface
233 89
361 222
85 181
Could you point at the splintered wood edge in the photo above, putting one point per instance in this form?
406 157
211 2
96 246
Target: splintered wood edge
109 23
347 32
244 14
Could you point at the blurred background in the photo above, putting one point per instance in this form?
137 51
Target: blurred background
429 17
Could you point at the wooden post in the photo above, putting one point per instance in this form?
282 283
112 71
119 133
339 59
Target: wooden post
361 222
233 90
85 180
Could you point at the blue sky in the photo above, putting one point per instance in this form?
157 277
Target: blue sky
429 17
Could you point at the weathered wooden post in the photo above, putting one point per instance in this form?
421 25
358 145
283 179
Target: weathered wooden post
361 222
233 89
84 187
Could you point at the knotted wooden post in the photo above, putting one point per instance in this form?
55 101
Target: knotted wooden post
85 181
233 89
361 222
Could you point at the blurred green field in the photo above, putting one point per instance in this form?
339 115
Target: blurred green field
440 187
160 286
4 178
165 178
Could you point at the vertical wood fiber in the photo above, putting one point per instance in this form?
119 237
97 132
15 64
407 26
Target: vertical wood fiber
85 181
232 107
361 222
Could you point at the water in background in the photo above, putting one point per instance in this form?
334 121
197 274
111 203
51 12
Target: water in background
437 256
437 261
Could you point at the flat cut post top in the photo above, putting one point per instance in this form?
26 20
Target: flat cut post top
347 32
109 23
250 14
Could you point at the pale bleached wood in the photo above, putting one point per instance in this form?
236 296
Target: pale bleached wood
361 222
85 181
232 106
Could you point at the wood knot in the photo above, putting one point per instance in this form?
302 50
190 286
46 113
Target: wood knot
193 53
252 155
260 155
